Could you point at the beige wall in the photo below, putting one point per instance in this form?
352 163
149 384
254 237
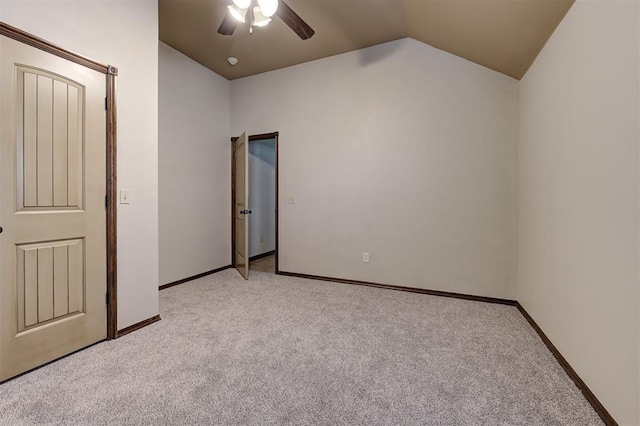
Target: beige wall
124 34
194 168
578 198
400 150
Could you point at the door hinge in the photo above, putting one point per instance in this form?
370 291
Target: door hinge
106 103
106 298
106 201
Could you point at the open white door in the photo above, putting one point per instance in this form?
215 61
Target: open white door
241 159
52 208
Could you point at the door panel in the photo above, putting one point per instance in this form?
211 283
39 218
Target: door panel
49 284
241 158
49 109
52 192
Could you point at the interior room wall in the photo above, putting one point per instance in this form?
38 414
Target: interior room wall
578 198
400 150
124 34
262 196
194 168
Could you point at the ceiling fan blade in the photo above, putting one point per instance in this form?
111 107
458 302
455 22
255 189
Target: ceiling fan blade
228 25
295 22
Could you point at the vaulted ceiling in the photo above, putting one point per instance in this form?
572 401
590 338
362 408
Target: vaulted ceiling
504 35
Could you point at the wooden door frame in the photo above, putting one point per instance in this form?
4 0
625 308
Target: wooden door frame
110 73
251 138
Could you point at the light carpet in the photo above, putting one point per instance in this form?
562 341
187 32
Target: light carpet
282 350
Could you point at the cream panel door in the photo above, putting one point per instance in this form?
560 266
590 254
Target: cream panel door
52 207
241 158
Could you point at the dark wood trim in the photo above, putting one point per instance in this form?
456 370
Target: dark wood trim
262 255
593 400
138 326
403 288
277 138
112 206
38 43
111 155
194 277
263 136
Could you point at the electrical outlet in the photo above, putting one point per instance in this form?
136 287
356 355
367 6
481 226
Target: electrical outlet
365 256
292 199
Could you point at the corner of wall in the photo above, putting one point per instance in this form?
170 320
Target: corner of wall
516 202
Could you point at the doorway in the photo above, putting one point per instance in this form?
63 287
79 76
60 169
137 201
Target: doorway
262 199
262 187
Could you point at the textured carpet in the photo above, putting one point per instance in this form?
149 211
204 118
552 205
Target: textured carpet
281 350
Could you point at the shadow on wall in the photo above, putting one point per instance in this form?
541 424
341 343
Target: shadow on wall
372 55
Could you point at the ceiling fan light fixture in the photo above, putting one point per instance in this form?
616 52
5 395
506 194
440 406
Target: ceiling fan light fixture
259 20
242 4
237 13
268 7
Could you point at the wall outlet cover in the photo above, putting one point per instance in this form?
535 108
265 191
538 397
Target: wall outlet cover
125 196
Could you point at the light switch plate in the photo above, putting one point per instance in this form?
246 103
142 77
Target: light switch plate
125 196
292 199
365 256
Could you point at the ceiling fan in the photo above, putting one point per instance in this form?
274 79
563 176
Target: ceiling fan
258 13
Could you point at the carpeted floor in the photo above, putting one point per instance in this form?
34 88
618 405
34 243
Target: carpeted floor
280 350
